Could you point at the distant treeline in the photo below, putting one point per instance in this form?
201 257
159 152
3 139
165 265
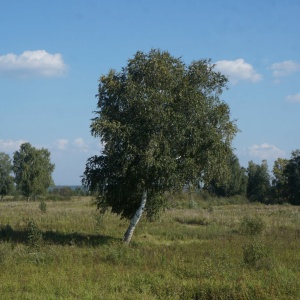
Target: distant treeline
32 179
257 184
65 192
56 193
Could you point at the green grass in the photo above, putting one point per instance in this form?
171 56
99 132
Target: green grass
209 251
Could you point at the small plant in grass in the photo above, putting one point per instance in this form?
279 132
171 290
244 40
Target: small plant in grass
256 255
34 235
43 207
252 226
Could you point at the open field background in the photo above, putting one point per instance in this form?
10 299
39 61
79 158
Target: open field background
197 250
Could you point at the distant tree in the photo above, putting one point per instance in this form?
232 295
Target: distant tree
64 192
80 191
259 184
279 181
162 125
234 184
6 180
292 175
33 170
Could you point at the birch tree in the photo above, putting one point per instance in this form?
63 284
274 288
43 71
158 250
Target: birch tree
33 170
234 184
162 125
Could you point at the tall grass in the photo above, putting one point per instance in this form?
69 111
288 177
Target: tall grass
207 251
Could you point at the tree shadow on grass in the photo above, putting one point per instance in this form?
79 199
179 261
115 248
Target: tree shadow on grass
7 233
79 239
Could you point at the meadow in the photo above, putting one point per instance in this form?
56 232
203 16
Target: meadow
197 249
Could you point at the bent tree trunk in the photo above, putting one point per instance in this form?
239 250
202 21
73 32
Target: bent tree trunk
129 232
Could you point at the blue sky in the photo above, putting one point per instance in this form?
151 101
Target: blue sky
52 54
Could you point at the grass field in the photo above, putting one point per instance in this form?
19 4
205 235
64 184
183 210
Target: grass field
209 251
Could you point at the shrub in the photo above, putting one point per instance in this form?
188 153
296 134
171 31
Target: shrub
34 235
43 207
256 255
252 226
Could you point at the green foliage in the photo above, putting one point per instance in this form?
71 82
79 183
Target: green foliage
252 226
259 185
234 184
80 191
33 169
6 180
256 255
292 175
34 235
162 125
61 193
286 179
43 207
279 182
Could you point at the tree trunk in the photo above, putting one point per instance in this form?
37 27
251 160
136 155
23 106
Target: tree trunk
137 216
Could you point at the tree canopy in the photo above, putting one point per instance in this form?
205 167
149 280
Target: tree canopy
33 170
258 182
279 182
234 184
162 125
292 175
6 180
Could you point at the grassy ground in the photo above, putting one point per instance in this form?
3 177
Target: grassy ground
209 251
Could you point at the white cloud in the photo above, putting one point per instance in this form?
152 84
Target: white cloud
37 63
284 68
80 144
77 144
10 145
237 70
61 144
293 98
266 151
